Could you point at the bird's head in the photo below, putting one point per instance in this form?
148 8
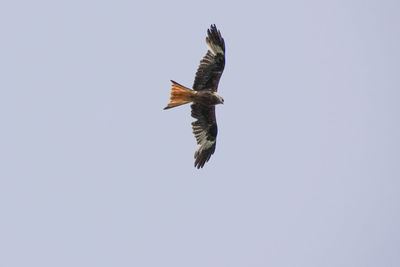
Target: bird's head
220 99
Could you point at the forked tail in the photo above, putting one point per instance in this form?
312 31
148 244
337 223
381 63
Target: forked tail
179 95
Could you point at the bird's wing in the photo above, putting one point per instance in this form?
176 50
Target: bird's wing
205 130
212 65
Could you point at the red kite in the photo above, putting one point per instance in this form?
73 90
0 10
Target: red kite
204 96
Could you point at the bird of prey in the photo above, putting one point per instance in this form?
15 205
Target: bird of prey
204 96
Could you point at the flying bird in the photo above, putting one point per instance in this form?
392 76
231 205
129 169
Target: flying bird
204 96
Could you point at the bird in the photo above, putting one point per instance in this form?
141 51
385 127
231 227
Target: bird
203 96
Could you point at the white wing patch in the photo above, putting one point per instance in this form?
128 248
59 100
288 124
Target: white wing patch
205 145
214 49
202 141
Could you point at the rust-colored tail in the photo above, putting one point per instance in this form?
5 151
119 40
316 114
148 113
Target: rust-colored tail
179 95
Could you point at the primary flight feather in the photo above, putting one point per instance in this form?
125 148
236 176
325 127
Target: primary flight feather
204 96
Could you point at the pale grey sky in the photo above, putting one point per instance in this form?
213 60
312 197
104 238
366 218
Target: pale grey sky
95 173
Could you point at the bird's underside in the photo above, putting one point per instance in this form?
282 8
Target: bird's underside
204 97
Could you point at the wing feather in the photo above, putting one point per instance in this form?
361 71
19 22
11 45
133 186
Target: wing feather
212 65
205 130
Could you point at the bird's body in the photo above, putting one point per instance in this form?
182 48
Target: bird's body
207 98
204 96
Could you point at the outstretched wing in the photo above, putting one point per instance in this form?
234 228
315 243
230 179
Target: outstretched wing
205 130
212 65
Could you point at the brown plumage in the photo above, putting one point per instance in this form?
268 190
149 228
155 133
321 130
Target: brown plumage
204 96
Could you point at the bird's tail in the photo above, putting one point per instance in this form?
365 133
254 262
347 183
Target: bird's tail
179 95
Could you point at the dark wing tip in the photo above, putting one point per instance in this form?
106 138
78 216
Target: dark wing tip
213 27
214 35
202 157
